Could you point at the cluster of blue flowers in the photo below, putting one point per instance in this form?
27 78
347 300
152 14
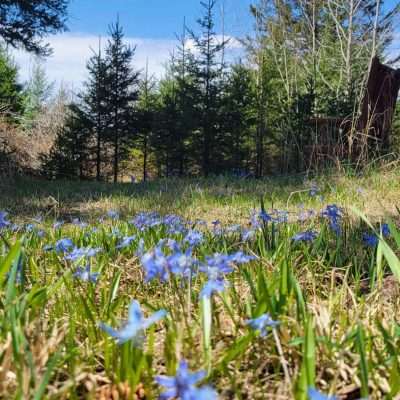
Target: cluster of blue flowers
183 384
165 259
177 255
217 267
334 215
372 240
169 257
4 223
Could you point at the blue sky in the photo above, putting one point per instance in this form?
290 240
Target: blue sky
152 18
149 24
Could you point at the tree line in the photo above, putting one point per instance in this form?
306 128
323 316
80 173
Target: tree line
272 110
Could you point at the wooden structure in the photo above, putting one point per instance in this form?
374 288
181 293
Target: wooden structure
379 103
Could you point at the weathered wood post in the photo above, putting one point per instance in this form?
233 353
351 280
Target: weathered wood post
379 103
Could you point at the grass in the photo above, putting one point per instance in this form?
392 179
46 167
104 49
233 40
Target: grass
336 299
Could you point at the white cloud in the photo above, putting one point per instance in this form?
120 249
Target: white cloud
67 64
71 52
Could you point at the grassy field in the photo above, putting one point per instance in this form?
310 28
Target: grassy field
270 288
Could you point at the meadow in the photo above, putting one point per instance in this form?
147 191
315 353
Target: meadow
201 288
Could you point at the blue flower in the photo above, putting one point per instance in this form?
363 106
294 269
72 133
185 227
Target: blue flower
3 220
281 216
307 236
217 267
194 238
385 230
213 285
240 258
261 323
126 241
314 394
217 228
259 218
334 214
78 254
182 385
146 220
64 245
181 264
370 240
155 264
202 393
113 214
30 227
174 224
264 217
84 274
135 326
248 234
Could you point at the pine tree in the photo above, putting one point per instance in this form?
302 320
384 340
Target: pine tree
146 111
165 127
37 93
122 93
95 105
207 72
68 158
238 118
10 89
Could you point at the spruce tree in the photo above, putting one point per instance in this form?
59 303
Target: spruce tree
207 72
122 94
37 93
165 141
146 111
95 103
238 119
69 156
10 90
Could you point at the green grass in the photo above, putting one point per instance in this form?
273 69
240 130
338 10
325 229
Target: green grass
336 300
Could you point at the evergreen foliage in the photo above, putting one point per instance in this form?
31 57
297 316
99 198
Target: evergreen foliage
23 24
10 90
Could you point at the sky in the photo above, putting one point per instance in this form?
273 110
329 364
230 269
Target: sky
151 25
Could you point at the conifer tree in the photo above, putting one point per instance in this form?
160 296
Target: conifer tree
122 93
95 105
207 71
238 118
68 158
146 111
10 90
37 93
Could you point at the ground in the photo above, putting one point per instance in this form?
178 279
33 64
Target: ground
316 255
